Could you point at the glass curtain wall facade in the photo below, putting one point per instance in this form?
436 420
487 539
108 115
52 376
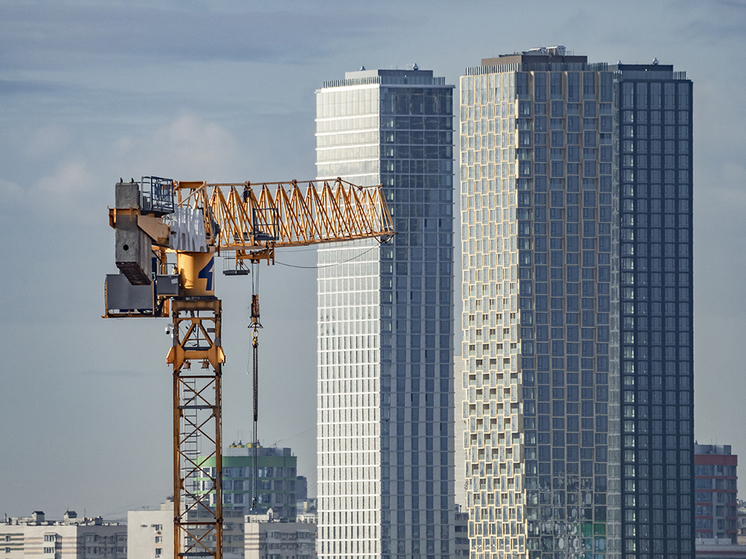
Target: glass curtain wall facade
385 322
572 342
653 129
537 213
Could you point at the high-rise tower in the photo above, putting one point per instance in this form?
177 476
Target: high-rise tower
576 231
385 322
653 166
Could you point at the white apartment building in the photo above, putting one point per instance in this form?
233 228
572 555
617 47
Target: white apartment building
69 538
150 533
267 538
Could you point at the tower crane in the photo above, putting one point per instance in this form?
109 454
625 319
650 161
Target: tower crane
167 236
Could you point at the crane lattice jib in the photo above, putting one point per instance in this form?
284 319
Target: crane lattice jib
237 220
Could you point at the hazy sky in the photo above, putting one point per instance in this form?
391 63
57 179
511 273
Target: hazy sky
92 91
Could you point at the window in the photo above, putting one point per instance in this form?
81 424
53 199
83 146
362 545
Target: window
158 551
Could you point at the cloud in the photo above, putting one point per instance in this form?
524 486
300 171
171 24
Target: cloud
117 373
725 195
71 184
188 147
66 187
41 35
26 87
715 23
47 141
10 191
733 192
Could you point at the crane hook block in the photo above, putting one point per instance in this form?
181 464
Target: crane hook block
255 312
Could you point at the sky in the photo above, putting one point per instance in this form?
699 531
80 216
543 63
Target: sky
91 91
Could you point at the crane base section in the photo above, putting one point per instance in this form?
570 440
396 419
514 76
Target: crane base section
197 358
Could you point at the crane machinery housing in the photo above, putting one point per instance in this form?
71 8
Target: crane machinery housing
192 222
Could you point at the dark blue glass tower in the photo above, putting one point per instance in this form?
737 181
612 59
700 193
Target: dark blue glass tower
653 119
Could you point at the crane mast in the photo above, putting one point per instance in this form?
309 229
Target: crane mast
194 221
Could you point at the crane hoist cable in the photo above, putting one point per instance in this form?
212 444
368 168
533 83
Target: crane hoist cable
255 326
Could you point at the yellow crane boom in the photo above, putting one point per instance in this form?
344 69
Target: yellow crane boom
288 217
196 220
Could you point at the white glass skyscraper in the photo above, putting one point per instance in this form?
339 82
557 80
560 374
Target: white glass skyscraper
385 322
576 232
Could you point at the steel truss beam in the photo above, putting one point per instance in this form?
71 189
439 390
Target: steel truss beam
197 426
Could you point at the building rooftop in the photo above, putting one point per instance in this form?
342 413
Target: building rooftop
389 76
241 449
70 518
652 71
723 449
558 59
540 59
539 55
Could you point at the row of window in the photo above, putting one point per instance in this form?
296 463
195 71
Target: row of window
348 168
710 483
354 123
644 426
729 498
415 174
508 86
565 370
560 108
656 309
411 153
415 101
643 132
417 253
415 123
415 138
655 397
715 470
351 138
656 162
655 117
641 550
655 95
654 147
354 153
262 471
480 118
719 524
558 169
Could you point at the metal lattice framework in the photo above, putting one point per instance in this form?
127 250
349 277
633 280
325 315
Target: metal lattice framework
250 226
197 428
243 222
